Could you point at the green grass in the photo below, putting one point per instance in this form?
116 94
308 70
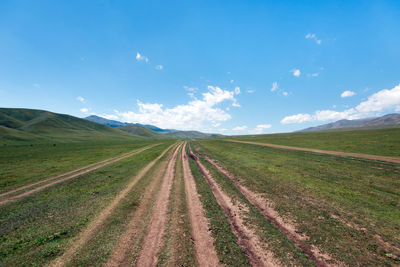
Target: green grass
384 142
36 229
229 253
24 164
340 203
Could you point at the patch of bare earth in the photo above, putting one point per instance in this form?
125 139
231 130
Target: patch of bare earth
133 235
76 173
153 239
320 151
256 251
285 226
94 226
206 254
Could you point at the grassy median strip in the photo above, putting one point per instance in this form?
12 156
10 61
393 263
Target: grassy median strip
36 229
225 243
347 207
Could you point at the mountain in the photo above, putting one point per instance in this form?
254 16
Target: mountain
17 124
168 132
111 123
142 131
192 135
388 120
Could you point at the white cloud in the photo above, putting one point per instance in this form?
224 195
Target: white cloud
81 99
260 128
231 81
285 93
314 37
84 110
140 57
190 89
239 128
237 90
296 72
194 115
347 94
36 85
159 67
250 91
384 100
274 86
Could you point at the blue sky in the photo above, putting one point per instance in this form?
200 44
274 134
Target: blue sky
233 67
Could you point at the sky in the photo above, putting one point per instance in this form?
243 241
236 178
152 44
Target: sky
230 67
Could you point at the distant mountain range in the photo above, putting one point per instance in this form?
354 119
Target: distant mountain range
165 132
389 120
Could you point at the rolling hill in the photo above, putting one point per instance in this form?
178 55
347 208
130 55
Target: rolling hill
142 131
17 124
389 120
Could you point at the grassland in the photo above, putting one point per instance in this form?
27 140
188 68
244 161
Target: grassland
348 208
23 164
38 228
384 142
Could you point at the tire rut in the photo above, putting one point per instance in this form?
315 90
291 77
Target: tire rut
273 217
153 238
206 254
247 239
84 236
131 237
81 171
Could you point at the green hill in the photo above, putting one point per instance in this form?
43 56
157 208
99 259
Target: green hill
191 135
40 126
142 131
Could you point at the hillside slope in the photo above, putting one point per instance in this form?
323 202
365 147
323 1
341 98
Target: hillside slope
142 131
389 120
38 125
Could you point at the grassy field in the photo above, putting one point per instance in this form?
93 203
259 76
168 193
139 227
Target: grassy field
384 142
348 208
38 228
253 204
44 160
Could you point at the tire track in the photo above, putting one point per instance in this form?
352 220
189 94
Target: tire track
131 237
206 254
320 151
153 238
247 239
84 236
81 171
273 217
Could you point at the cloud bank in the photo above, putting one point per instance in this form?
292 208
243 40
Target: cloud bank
384 100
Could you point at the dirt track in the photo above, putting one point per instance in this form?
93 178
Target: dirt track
84 236
131 237
247 239
328 152
289 230
153 239
203 241
76 173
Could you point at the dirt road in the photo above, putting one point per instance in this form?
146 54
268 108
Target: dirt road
256 252
328 152
153 239
93 227
203 241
